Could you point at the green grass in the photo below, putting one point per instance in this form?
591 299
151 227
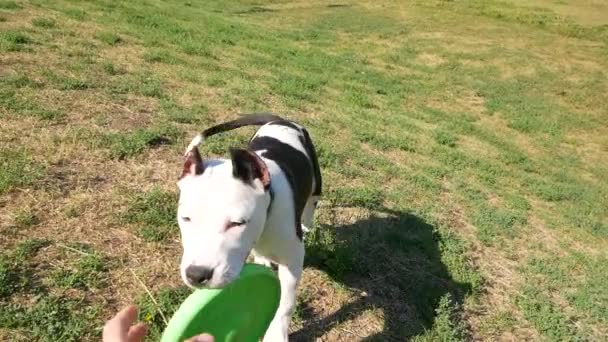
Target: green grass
109 38
44 22
15 270
125 145
546 316
9 5
18 105
53 318
466 158
61 316
154 213
13 41
89 272
447 325
18 169
167 302
160 56
26 218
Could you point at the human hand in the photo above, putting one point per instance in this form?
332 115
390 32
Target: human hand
121 329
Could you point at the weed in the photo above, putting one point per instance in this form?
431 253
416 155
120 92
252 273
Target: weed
168 301
23 81
195 114
127 145
493 222
297 90
9 5
497 323
385 140
18 169
445 138
111 68
154 211
15 271
109 38
75 13
448 327
75 84
44 22
364 197
89 272
197 48
53 318
160 56
150 85
11 41
546 317
26 218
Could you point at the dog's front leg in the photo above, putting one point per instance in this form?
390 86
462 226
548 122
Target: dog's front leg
289 275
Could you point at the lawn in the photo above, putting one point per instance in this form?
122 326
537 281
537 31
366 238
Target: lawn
464 148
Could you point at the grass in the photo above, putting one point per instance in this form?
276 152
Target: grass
18 169
154 213
9 5
167 302
109 38
464 165
13 41
124 145
49 315
87 273
25 218
160 56
44 22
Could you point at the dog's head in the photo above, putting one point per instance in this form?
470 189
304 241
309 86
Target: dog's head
221 214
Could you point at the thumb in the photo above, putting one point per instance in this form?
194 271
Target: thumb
202 338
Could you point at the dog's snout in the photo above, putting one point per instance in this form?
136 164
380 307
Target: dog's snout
198 275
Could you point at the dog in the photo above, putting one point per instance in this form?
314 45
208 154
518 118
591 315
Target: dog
260 201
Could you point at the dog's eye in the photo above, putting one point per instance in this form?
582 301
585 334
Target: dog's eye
233 224
186 219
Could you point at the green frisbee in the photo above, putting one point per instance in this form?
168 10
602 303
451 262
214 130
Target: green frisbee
241 311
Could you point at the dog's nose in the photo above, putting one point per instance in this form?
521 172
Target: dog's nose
198 275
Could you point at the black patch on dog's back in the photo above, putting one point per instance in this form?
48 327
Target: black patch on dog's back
297 168
312 153
285 123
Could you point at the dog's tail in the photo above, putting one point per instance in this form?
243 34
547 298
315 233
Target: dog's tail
254 119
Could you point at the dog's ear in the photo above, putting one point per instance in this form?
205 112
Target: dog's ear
193 165
248 166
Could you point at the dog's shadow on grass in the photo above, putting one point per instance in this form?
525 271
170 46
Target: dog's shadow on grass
394 261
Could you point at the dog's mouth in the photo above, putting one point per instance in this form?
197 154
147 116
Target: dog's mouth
222 277
223 273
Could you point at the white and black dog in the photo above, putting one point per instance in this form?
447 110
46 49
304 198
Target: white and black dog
260 200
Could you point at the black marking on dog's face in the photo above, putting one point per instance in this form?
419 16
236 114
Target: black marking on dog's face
297 168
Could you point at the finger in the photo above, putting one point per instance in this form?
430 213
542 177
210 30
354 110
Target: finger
202 338
126 316
137 333
116 328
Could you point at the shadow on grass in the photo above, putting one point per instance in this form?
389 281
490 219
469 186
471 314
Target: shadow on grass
395 258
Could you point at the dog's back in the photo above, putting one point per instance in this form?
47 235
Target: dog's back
290 147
